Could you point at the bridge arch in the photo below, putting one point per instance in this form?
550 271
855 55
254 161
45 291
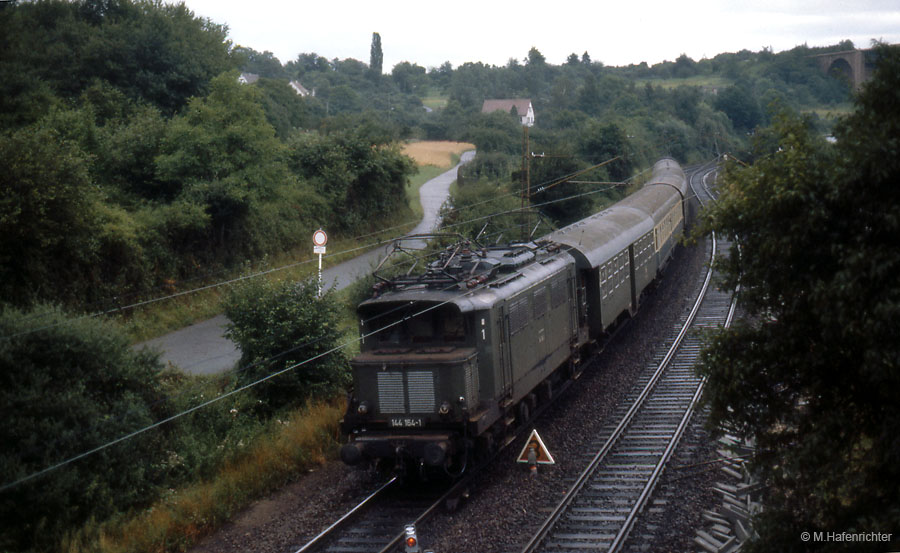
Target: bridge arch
841 69
852 65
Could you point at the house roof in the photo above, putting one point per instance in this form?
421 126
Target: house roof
301 90
507 105
249 78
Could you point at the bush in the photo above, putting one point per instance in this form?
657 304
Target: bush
278 326
68 386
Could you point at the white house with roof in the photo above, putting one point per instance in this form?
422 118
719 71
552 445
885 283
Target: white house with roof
248 78
301 90
523 108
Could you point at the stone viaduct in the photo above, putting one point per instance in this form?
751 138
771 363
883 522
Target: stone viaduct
854 65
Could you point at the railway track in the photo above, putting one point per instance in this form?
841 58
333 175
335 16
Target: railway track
608 506
627 460
377 523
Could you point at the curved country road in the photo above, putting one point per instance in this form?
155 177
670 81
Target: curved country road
203 349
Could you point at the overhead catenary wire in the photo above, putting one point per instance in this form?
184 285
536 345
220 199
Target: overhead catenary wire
120 308
306 344
190 410
111 443
143 303
239 370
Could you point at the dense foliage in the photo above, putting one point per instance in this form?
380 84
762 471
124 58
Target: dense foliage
134 158
813 374
67 387
279 325
154 53
134 161
70 385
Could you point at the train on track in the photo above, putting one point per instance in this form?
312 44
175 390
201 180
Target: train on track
454 359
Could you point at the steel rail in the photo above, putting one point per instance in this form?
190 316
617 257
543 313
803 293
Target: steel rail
626 421
601 454
341 521
619 540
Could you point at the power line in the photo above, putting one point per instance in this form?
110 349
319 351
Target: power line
171 418
235 280
121 439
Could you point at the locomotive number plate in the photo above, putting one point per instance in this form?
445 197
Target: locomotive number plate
407 422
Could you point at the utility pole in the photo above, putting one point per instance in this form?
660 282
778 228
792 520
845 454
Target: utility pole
526 184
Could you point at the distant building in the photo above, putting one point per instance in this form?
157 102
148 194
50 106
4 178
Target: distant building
248 78
523 108
300 89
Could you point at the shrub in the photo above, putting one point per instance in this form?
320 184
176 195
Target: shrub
68 386
278 326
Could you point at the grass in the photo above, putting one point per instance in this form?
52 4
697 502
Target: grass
156 319
305 440
833 112
702 81
435 102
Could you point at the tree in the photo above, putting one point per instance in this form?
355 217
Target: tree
48 216
376 56
740 106
307 63
222 153
441 76
546 174
285 109
600 143
409 77
684 67
359 179
154 52
590 98
813 372
535 57
264 64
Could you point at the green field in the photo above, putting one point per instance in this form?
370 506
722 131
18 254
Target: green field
701 81
435 102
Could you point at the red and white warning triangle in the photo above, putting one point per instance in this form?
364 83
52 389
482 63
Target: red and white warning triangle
541 453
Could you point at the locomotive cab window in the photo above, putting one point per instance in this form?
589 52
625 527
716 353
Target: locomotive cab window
413 326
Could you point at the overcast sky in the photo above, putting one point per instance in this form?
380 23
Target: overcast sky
618 33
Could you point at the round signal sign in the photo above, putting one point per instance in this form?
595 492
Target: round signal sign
320 238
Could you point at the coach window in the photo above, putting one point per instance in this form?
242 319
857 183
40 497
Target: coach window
603 288
540 302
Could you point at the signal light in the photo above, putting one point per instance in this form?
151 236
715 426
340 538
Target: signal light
412 543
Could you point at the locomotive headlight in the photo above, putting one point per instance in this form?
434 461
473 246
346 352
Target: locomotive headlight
445 408
461 400
363 408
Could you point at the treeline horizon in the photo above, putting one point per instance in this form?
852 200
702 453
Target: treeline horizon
135 159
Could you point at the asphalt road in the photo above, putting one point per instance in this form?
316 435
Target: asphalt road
202 347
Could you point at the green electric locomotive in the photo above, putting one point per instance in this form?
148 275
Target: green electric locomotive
454 358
